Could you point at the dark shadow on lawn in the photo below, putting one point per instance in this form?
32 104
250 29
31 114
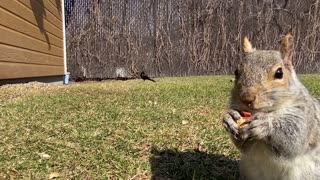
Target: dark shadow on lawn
193 164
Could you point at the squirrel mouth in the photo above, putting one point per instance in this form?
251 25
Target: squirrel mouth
250 107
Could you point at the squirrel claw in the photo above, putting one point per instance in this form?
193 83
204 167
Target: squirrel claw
257 129
229 122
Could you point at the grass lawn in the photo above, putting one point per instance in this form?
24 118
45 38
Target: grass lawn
120 129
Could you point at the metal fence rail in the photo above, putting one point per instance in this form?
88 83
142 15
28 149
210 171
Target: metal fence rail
115 38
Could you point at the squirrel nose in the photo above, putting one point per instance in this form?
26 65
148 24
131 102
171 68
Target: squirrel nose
248 99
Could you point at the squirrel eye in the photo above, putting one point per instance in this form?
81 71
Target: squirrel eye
278 74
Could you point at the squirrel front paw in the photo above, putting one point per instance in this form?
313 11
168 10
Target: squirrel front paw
259 127
229 122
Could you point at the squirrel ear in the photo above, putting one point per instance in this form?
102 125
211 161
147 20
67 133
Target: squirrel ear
287 49
247 47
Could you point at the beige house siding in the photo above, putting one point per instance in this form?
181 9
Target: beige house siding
31 38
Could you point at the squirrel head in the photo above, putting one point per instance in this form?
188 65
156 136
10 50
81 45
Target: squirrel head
263 77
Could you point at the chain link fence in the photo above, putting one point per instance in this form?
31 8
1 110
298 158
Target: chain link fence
120 38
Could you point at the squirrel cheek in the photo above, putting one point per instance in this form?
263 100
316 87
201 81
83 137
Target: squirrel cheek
263 102
257 103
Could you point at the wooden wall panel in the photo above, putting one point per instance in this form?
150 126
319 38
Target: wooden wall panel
20 70
53 8
17 39
29 15
48 15
16 23
31 40
15 54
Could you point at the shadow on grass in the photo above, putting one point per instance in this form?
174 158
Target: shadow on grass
193 164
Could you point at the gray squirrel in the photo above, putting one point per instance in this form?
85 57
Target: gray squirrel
282 138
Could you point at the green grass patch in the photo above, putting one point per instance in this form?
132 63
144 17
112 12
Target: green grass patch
120 129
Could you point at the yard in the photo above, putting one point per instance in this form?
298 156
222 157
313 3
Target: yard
119 129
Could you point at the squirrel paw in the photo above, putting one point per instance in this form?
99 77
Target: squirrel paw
229 122
258 128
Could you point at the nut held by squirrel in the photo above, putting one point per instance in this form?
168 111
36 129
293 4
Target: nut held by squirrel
245 117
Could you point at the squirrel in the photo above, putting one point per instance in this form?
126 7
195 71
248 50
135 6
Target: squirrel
282 138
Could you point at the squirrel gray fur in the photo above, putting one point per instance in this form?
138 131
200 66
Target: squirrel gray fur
281 140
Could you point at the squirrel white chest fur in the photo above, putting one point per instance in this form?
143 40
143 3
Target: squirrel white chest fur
259 163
